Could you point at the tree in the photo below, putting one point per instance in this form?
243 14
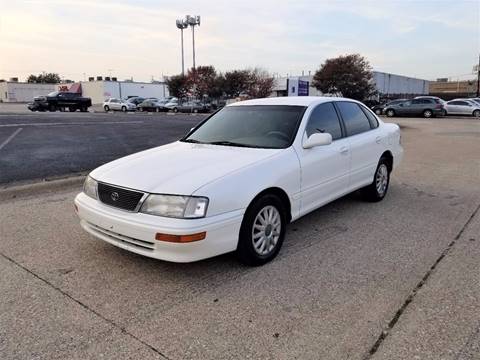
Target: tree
260 83
46 78
350 75
236 82
178 86
202 81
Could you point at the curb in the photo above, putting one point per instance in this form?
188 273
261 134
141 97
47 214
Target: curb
8 192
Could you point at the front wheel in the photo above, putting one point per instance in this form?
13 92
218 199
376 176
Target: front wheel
72 109
106 108
377 190
476 113
262 231
175 110
378 112
124 108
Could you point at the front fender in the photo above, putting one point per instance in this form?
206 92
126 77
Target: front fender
236 190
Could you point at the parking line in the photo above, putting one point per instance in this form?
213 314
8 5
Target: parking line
10 138
73 123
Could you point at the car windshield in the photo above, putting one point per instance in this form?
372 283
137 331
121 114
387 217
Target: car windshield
55 93
259 126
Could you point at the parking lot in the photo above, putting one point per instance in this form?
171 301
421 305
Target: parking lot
391 280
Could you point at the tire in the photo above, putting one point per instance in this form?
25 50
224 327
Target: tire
476 113
106 108
427 114
84 109
377 190
253 248
390 113
378 112
157 109
124 108
72 109
175 110
52 108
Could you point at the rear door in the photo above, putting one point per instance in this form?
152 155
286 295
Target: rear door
465 108
366 142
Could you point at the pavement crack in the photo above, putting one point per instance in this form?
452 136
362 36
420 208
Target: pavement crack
86 307
385 332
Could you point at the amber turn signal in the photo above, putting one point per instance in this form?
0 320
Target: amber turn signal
180 238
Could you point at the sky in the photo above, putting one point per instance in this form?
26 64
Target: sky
427 39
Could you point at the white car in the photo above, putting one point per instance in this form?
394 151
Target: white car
462 107
118 105
236 180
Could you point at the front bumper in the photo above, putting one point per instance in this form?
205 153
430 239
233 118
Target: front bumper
135 232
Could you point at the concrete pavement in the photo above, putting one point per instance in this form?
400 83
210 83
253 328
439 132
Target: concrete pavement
343 275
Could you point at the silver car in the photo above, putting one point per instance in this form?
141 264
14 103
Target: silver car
462 107
119 105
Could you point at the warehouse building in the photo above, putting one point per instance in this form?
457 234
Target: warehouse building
97 90
14 91
387 85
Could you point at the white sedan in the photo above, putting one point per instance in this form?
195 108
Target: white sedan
462 107
236 180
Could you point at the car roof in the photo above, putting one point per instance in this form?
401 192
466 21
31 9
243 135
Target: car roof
290 101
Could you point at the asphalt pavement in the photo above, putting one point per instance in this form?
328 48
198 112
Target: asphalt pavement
37 146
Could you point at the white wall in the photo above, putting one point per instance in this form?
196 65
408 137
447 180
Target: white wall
397 84
99 91
23 92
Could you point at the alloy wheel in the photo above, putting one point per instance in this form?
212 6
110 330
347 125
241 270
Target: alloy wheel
266 230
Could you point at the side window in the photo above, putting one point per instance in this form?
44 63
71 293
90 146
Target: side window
416 101
324 118
355 120
453 103
371 118
464 103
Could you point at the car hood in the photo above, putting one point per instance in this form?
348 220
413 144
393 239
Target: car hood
179 167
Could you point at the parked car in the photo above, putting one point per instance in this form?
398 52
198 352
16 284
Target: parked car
377 109
135 100
426 107
192 107
462 107
152 105
118 105
60 101
172 105
236 180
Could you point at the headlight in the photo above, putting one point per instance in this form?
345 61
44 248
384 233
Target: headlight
190 207
90 187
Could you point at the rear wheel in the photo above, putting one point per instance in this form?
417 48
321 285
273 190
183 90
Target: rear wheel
377 190
390 113
72 109
378 111
175 110
476 113
84 109
427 113
124 108
52 108
106 108
262 231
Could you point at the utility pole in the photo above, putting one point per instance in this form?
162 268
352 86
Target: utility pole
182 24
193 21
478 76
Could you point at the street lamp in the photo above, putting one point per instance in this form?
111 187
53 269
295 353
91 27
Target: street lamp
193 21
182 24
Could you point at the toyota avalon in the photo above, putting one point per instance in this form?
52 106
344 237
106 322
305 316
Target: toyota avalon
237 179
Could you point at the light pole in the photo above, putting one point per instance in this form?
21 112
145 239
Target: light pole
193 21
182 24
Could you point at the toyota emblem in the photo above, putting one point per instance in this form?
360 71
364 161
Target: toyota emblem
114 196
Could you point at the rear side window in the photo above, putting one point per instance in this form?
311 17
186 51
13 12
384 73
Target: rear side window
324 118
354 118
371 118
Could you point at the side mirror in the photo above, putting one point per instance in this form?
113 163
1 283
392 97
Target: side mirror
317 139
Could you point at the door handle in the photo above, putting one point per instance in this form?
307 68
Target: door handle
344 150
378 139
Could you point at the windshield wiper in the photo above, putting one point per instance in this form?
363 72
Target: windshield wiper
231 143
193 141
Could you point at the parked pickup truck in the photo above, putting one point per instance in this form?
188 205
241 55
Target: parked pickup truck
60 101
